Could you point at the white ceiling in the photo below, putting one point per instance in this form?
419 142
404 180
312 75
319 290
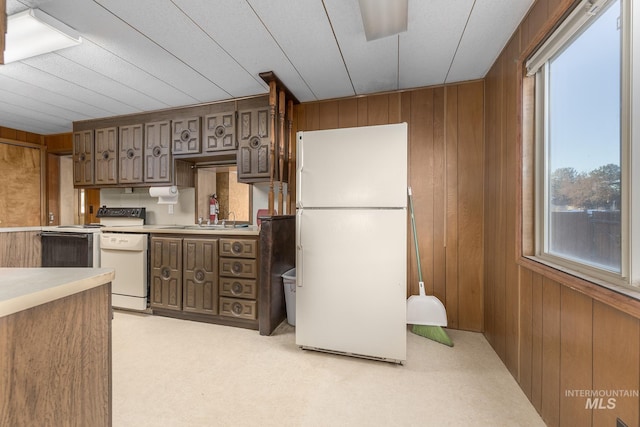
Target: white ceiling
142 55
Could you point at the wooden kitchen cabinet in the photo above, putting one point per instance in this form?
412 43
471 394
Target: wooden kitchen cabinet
190 280
106 156
200 276
254 131
130 154
157 151
186 136
219 132
166 273
83 158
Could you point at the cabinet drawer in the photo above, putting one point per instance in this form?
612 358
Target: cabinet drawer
237 267
238 288
242 248
238 308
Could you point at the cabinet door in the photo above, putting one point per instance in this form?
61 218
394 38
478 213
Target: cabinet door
200 276
157 151
219 132
83 158
130 154
253 145
166 273
106 156
186 136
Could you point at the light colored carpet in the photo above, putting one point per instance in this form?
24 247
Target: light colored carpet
169 372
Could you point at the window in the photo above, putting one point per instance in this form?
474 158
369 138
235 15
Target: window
581 202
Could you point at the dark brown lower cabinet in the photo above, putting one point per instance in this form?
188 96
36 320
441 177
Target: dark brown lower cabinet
200 276
189 279
166 273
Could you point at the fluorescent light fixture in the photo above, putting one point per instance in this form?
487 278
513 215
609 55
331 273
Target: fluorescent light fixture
382 18
33 32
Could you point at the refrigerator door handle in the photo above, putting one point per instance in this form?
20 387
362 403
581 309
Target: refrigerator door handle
300 164
299 249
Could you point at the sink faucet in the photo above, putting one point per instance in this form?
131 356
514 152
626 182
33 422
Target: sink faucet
234 220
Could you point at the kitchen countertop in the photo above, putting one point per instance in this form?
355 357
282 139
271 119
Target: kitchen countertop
251 230
24 288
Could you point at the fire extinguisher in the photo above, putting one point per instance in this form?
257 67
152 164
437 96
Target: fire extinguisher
214 209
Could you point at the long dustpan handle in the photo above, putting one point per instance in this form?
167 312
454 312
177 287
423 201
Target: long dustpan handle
415 240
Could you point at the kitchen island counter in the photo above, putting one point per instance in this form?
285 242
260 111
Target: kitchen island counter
24 288
55 347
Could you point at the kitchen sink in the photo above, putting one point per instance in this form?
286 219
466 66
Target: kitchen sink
207 227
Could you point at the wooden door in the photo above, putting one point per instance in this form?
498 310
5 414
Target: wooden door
83 158
166 273
219 132
253 145
157 151
106 156
130 154
200 276
186 136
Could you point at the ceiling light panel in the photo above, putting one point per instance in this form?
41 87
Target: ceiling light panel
33 32
383 18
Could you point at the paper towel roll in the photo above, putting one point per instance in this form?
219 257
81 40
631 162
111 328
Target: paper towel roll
165 195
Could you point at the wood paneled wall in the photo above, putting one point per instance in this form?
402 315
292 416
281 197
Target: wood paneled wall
446 172
556 338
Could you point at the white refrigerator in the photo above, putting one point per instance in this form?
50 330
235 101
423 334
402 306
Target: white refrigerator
351 241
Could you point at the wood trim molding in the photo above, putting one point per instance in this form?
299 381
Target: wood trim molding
617 300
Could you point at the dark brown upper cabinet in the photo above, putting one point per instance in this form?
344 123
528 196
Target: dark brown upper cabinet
186 136
254 131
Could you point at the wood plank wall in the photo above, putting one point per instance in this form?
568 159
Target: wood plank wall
446 173
554 337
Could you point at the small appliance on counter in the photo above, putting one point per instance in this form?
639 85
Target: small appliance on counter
127 254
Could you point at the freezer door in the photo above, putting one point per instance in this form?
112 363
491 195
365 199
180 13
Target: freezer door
351 281
353 167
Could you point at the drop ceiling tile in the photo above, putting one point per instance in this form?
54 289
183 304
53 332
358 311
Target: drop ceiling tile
29 90
64 88
236 28
110 91
169 27
30 119
93 57
433 33
373 65
116 36
303 32
490 27
36 105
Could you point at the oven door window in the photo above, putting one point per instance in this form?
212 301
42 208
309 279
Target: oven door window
67 249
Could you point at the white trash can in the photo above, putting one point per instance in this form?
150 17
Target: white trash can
289 283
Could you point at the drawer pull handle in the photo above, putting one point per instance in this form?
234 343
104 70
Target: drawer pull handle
236 288
236 308
236 248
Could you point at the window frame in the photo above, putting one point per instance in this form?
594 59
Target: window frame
536 67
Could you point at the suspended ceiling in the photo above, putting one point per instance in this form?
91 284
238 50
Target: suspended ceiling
143 55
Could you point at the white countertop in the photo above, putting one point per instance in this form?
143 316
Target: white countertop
24 288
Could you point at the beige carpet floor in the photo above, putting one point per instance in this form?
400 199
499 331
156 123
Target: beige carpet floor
169 372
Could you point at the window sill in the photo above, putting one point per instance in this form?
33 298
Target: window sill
623 298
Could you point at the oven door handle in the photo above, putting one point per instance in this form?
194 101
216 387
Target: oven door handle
74 235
